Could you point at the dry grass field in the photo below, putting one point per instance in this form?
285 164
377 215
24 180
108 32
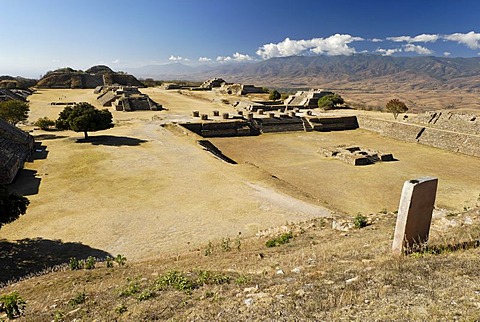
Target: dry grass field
142 190
151 193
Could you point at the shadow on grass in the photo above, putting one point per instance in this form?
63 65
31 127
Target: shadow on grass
441 249
111 140
49 137
26 183
32 256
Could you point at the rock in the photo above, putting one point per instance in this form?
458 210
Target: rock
342 225
248 301
296 270
250 289
352 280
280 272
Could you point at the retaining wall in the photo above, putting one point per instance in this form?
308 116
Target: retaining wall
448 140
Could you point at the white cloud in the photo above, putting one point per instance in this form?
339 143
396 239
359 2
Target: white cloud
376 40
446 54
116 61
334 45
471 39
177 58
388 52
237 57
417 49
204 59
419 38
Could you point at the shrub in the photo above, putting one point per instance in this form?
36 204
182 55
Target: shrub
90 262
75 264
79 298
280 240
121 260
12 304
177 281
360 221
44 123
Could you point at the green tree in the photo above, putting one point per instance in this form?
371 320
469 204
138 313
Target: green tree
396 107
14 111
11 206
330 101
274 95
84 117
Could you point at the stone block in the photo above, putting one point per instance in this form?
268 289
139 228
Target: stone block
196 113
216 113
414 214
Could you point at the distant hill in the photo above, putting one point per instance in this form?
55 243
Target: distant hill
91 78
357 71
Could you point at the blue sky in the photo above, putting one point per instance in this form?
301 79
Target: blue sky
38 36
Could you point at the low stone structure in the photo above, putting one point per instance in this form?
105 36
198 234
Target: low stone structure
212 83
306 99
355 155
15 147
224 128
11 94
126 98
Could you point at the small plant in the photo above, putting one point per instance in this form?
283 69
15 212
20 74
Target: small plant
75 264
207 277
90 262
384 211
177 281
209 249
121 308
121 260
226 244
78 299
58 316
238 241
133 287
109 261
12 304
242 279
360 221
146 295
280 240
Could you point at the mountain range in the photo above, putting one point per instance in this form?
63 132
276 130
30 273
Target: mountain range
358 71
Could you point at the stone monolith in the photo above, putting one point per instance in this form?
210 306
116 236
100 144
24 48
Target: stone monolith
414 214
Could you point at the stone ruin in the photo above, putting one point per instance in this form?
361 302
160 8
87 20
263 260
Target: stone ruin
306 99
15 147
355 155
230 88
126 98
211 83
14 94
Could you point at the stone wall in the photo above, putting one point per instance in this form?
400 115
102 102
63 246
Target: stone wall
448 140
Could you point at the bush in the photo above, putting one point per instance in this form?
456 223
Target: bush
44 123
329 102
12 304
360 221
280 240
274 95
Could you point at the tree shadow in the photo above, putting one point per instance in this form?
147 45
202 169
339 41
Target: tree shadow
28 256
49 137
26 182
111 140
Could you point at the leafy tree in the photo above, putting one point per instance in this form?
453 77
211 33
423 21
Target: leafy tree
44 123
330 101
14 111
396 107
84 117
11 206
274 95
